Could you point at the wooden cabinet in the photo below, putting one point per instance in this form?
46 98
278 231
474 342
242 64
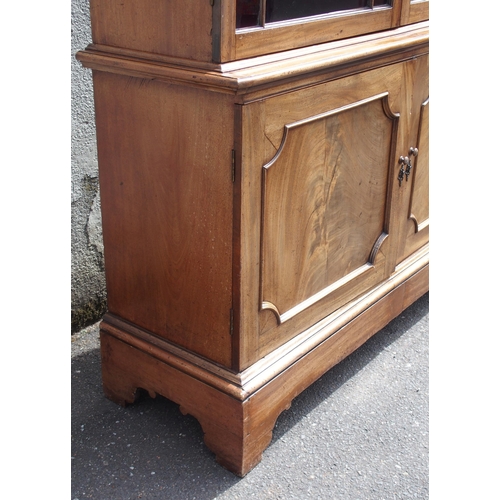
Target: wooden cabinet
264 200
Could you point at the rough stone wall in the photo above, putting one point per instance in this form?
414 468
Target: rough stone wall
88 286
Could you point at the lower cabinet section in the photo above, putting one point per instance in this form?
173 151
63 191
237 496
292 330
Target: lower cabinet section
324 170
261 221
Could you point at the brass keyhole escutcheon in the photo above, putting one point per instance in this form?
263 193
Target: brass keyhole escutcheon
403 161
406 166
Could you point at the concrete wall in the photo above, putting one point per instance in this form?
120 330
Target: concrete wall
88 286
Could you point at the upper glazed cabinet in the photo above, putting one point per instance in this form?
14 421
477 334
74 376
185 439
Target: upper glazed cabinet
221 31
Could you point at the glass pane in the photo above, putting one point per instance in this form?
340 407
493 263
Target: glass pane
247 13
281 10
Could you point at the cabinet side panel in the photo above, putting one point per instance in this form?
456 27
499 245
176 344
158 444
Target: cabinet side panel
165 172
180 28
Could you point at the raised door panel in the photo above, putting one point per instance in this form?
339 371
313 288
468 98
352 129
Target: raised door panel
325 197
417 221
325 161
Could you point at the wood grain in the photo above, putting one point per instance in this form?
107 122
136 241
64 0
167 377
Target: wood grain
415 191
165 173
293 191
255 232
413 11
241 385
419 204
285 36
324 204
238 431
196 30
180 28
265 76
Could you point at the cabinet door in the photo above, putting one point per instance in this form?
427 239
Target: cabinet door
415 186
318 208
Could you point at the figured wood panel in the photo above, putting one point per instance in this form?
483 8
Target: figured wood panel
180 28
165 169
324 210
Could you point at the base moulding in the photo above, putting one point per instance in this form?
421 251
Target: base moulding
237 412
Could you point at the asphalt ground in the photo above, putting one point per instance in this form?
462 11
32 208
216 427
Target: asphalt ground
359 433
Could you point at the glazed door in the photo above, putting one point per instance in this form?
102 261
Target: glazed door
251 28
254 13
319 200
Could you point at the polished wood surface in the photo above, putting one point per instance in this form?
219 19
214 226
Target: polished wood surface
324 204
255 228
265 76
310 238
416 199
167 211
179 28
238 429
292 34
413 11
205 31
